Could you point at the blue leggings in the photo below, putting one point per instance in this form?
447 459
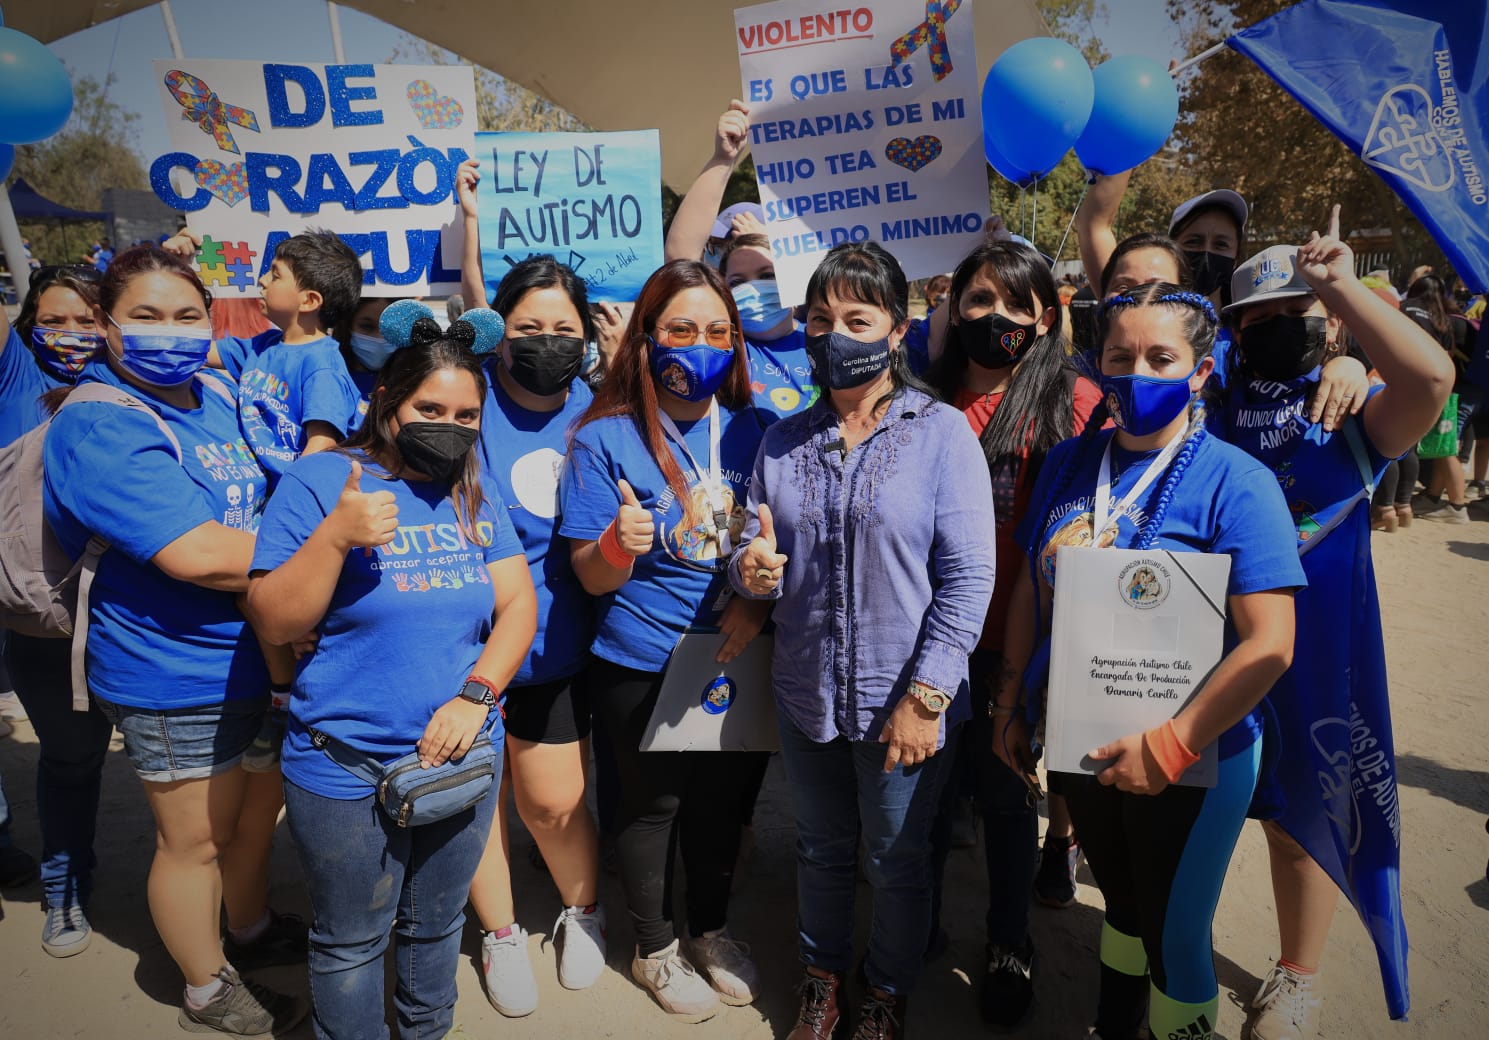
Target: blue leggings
1160 862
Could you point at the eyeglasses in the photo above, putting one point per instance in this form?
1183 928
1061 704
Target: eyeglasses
50 273
682 333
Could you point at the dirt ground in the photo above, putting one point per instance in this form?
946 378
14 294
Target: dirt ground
1435 589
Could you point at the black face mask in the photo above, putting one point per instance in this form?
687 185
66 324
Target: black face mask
1211 271
1284 347
435 449
544 365
994 341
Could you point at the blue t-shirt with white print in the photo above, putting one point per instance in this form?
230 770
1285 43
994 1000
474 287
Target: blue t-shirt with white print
682 581
406 621
781 376
155 642
283 386
522 452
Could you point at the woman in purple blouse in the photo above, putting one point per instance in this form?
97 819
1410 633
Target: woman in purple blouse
870 523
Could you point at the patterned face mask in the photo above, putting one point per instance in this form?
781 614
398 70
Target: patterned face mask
64 352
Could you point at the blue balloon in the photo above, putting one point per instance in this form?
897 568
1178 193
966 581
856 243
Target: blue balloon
999 162
7 159
1137 102
1035 102
35 91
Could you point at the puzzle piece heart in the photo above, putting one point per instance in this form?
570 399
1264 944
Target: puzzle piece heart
228 181
912 155
435 112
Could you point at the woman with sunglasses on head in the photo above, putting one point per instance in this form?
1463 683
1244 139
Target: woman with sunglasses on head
53 339
171 661
1283 298
398 551
653 503
1159 851
871 530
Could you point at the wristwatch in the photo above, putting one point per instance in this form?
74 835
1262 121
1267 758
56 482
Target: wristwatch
479 691
934 700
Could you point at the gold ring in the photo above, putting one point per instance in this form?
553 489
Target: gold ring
763 574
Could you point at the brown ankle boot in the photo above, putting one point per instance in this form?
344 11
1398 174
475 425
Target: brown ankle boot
882 1018
821 1017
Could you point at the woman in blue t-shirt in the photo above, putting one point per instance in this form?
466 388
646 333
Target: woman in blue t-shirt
781 376
171 661
54 337
652 501
396 550
1283 298
1159 851
535 394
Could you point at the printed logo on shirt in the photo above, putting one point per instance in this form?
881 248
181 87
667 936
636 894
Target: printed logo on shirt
535 479
442 555
1071 523
244 512
1144 584
718 695
440 578
697 543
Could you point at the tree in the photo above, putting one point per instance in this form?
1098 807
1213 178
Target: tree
94 151
1240 129
500 103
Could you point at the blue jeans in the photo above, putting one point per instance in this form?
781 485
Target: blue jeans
169 744
839 790
69 770
418 879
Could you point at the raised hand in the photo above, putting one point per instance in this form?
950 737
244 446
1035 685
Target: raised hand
634 527
467 176
361 518
1326 261
733 131
761 567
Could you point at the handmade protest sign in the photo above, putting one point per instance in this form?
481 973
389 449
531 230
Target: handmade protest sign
593 201
864 124
261 151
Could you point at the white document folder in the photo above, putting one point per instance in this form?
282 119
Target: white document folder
1136 634
707 706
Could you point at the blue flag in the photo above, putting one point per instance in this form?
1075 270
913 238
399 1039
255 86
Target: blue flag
1404 83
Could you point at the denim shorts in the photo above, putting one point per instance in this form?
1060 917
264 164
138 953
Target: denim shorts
186 743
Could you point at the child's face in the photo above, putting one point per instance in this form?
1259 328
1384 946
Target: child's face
282 298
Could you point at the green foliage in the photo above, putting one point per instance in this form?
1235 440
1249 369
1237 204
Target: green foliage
500 103
94 151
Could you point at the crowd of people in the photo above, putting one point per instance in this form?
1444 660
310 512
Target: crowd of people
391 574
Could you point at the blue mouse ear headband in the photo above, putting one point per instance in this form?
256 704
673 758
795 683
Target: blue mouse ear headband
487 326
397 323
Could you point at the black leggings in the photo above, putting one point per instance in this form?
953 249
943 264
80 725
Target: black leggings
669 799
1398 481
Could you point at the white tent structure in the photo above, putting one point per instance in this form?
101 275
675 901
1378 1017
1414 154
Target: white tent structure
600 59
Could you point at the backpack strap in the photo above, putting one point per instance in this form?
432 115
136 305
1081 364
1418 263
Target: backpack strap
1356 441
87 566
218 387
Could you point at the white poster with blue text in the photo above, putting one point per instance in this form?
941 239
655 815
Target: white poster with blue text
260 151
592 200
865 123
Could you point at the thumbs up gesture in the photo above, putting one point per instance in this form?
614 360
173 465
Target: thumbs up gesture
360 518
634 526
761 566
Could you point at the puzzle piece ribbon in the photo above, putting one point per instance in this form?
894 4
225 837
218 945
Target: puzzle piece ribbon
932 33
207 110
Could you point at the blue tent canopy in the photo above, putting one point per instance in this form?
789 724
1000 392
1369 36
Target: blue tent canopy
31 205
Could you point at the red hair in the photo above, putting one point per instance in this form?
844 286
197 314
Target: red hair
631 389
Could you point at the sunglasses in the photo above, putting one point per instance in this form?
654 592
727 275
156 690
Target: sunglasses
681 333
51 272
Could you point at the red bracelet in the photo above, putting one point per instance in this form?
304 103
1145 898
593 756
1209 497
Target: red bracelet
1169 751
609 543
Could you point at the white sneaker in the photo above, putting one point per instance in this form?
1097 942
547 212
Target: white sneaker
510 985
680 990
726 963
1447 513
1288 1005
580 939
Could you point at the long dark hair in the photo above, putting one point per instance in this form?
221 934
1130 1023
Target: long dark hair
81 280
430 350
1146 240
545 272
868 273
1426 294
1035 413
630 389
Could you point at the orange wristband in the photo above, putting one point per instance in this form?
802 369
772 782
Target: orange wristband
610 549
1169 751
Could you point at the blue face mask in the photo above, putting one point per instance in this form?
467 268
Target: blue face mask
692 373
372 351
63 352
163 355
843 362
1141 405
759 304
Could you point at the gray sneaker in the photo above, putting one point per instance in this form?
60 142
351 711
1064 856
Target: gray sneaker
1447 513
66 931
243 1009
